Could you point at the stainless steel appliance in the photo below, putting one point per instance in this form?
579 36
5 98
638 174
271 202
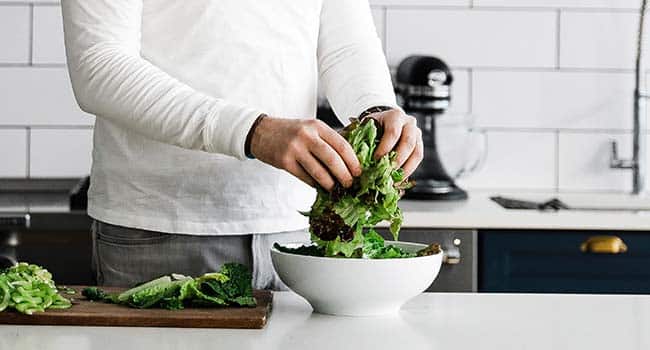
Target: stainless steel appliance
42 222
423 86
459 271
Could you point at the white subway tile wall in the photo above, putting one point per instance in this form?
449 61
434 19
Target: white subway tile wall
38 96
585 44
552 99
549 81
60 152
517 160
461 92
15 34
48 35
584 162
468 38
13 152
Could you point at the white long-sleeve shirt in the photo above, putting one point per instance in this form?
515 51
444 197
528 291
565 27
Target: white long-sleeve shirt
176 85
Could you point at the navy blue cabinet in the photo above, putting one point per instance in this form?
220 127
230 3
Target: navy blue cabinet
552 262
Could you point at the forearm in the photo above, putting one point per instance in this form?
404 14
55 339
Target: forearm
111 80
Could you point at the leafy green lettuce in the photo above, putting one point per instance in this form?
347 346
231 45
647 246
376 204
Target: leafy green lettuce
339 219
374 248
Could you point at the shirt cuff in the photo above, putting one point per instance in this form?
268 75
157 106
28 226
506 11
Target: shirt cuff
226 129
373 102
373 110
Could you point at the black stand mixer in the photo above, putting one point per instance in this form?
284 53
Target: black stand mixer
423 87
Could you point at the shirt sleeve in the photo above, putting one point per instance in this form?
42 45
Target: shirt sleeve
113 81
352 66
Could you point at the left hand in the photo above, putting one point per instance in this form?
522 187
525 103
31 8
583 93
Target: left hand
402 134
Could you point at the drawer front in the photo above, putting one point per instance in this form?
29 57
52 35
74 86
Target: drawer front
552 262
461 276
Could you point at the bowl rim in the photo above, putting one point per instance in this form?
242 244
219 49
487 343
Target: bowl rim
359 260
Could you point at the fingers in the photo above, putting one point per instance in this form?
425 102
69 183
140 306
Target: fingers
343 148
392 122
407 142
415 158
297 170
317 171
332 161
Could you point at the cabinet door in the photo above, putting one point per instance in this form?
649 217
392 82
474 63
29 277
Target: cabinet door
552 262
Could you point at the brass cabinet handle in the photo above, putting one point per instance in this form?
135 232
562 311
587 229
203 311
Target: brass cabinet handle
603 245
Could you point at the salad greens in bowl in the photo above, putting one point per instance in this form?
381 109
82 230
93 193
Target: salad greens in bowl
357 287
348 268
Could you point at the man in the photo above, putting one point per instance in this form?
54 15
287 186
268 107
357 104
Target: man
205 142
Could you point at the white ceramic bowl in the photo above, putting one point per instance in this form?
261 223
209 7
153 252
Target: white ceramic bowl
357 287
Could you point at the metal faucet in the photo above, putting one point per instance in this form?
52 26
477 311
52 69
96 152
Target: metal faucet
638 163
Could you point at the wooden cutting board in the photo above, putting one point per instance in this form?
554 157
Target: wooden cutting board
89 313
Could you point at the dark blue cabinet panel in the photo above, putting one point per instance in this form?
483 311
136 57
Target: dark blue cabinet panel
551 262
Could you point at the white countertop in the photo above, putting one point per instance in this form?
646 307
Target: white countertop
430 321
479 212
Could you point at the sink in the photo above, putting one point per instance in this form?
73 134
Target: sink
575 201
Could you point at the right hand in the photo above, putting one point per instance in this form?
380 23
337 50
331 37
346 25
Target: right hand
306 148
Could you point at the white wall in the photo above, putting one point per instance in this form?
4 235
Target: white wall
550 81
42 131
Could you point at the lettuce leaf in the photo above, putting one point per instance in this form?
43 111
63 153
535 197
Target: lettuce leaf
339 219
374 248
230 286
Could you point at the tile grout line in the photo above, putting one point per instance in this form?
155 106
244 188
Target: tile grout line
554 129
45 127
558 39
31 34
26 3
473 6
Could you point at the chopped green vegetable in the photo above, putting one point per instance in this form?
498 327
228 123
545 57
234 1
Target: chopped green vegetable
66 290
230 286
94 294
29 288
339 219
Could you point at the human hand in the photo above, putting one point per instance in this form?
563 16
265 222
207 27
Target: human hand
402 134
306 148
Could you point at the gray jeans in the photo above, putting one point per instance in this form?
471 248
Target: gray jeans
125 256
